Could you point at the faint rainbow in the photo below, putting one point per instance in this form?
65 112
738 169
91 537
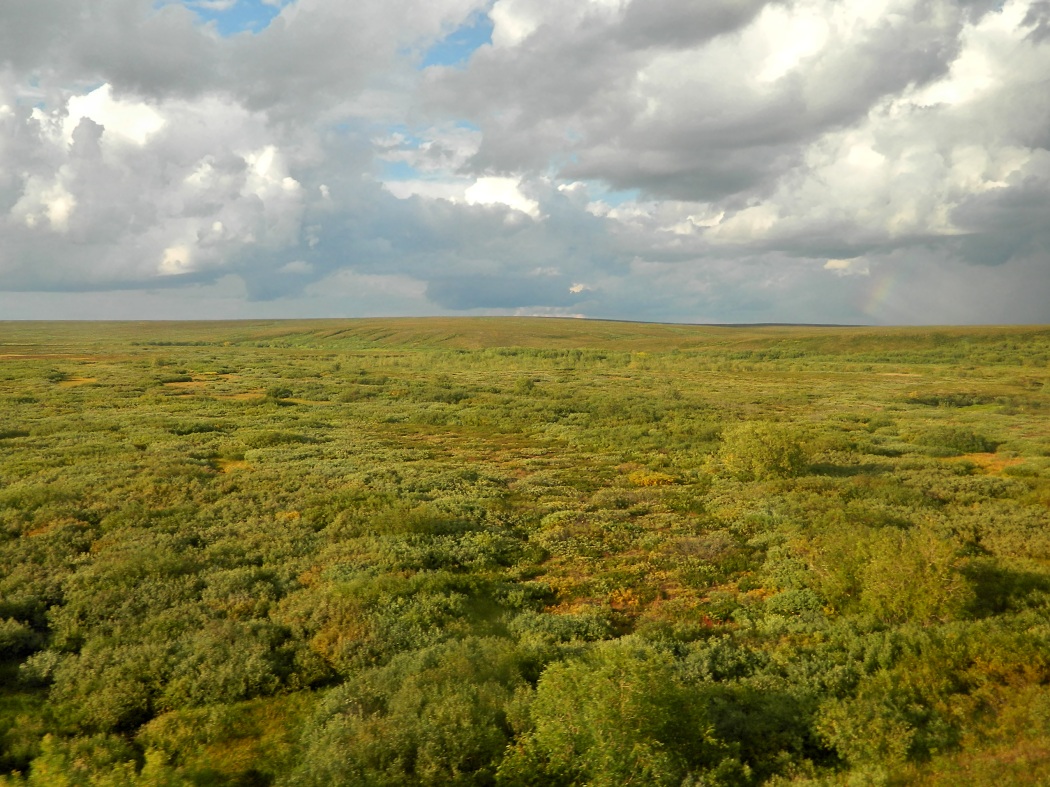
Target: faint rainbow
879 294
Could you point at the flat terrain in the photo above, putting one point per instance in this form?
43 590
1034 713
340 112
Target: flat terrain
523 551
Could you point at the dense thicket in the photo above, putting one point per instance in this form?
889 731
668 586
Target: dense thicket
502 552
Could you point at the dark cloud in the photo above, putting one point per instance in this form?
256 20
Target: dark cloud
1038 18
1005 223
128 43
316 53
683 23
32 32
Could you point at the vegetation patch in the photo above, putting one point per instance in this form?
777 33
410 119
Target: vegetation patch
955 399
954 441
268 439
199 427
756 451
523 552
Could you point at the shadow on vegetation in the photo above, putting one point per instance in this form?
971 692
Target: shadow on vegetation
1000 590
848 471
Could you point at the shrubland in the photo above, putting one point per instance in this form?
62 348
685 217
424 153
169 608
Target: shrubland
523 552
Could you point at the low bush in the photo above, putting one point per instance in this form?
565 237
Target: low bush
954 440
756 451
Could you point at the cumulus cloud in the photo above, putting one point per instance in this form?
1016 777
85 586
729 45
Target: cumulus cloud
501 191
703 121
113 192
663 159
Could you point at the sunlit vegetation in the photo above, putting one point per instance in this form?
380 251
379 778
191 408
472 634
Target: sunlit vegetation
523 552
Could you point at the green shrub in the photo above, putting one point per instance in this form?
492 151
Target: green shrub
16 638
956 399
954 440
913 576
794 602
436 717
621 715
99 760
110 689
756 451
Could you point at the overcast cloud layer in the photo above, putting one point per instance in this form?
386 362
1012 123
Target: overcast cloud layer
872 161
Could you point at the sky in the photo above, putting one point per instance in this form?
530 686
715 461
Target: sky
729 161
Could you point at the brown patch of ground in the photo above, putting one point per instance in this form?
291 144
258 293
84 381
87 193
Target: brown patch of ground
47 527
73 382
243 397
990 463
190 384
47 356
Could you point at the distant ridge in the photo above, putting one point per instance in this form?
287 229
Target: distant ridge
787 324
725 324
399 334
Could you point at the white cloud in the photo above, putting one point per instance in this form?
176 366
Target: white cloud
984 61
851 267
132 120
513 21
95 189
442 148
501 191
176 260
451 190
792 35
45 201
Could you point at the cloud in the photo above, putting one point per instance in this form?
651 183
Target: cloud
501 191
113 192
708 120
132 120
682 23
664 159
501 291
313 54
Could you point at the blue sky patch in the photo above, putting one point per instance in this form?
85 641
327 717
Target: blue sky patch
598 191
616 198
398 170
236 16
457 47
